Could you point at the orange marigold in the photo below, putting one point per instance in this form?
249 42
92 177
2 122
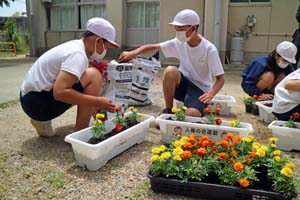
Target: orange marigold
206 110
187 145
224 143
244 182
117 108
238 166
217 110
222 156
229 135
248 160
205 143
186 155
231 160
201 151
233 153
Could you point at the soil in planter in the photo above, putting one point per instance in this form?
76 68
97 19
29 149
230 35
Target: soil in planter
268 104
94 140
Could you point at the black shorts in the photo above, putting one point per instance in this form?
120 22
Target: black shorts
42 106
189 94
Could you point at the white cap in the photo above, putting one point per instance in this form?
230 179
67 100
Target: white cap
186 17
102 28
287 51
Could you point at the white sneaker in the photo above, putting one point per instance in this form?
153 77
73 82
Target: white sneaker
43 128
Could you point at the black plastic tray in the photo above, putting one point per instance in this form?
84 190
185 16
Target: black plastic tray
208 190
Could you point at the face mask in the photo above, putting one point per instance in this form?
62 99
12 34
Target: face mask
181 36
282 64
96 56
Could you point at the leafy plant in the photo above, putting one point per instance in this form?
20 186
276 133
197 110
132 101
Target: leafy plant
119 120
134 116
179 113
233 160
99 127
235 123
292 121
211 118
250 100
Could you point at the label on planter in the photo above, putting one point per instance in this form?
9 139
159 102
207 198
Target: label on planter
214 134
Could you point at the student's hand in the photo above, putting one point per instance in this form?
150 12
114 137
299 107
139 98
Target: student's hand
267 97
106 104
206 98
126 56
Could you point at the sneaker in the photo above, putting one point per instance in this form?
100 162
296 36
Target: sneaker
43 128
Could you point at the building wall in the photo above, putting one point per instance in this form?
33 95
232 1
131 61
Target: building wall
275 22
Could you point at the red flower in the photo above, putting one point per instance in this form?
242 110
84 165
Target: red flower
217 110
201 151
206 110
186 155
218 121
119 127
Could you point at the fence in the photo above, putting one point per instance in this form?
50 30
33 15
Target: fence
3 46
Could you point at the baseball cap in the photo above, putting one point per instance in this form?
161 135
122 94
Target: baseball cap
102 28
287 51
186 17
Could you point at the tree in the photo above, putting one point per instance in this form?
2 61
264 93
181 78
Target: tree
5 2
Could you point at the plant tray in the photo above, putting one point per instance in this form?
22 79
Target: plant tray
224 102
94 156
288 138
171 128
209 191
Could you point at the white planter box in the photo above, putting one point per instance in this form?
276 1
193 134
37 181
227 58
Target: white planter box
225 102
288 138
94 156
171 128
265 112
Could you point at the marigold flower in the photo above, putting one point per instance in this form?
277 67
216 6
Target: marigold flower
205 143
233 153
187 145
154 157
178 143
99 121
273 139
193 135
252 154
192 139
231 160
238 166
175 110
100 116
218 121
201 151
273 145
177 151
204 137
184 108
222 156
177 157
277 152
248 160
206 110
117 108
229 135
296 114
155 150
244 182
232 123
162 147
264 148
186 155
277 158
184 139
165 155
290 165
142 116
119 127
217 110
237 139
135 110
261 153
286 171
130 108
224 143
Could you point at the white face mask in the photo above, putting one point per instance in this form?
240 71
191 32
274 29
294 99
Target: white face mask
181 36
282 64
96 56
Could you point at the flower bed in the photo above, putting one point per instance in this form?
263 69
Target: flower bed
289 138
94 156
171 128
265 111
202 166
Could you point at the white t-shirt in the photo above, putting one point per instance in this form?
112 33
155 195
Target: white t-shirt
285 100
198 64
70 57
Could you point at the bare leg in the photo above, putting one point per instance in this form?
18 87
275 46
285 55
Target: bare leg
193 112
265 81
91 82
171 79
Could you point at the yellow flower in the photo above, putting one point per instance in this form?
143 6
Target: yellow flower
162 147
142 116
99 121
174 110
246 139
286 171
131 108
232 123
135 110
273 139
256 145
184 108
155 150
273 145
177 157
184 139
165 155
177 151
178 143
264 148
277 158
277 152
100 116
261 153
154 157
290 165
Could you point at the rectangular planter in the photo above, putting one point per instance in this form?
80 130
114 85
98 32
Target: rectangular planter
94 156
209 191
225 102
288 138
265 112
171 128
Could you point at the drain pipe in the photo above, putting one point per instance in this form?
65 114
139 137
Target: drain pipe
217 24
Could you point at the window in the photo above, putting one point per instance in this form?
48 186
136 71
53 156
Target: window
66 15
250 1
